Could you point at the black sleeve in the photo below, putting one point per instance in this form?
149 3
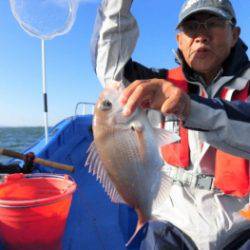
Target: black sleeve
136 71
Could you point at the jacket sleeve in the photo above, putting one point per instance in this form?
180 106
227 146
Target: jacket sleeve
222 124
114 39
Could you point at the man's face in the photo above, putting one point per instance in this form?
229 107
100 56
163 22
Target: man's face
205 49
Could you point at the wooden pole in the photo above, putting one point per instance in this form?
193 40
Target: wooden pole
37 160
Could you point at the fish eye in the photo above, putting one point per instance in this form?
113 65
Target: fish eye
106 105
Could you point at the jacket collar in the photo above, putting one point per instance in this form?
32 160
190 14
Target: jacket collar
238 61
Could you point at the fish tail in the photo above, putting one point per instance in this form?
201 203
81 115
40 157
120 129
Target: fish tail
140 223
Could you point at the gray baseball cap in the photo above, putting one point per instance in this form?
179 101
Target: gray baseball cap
222 8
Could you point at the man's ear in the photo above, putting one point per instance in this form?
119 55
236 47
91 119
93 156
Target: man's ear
178 39
236 35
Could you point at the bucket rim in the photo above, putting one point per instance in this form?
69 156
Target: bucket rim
4 203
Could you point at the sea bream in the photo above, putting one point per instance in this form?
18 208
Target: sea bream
125 155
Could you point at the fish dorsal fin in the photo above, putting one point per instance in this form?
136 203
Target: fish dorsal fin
164 137
164 189
96 167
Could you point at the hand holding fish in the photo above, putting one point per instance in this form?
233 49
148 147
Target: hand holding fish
156 94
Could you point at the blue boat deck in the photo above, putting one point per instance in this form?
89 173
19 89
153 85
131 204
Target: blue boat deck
93 221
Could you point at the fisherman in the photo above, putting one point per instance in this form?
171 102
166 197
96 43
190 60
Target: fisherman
12 168
204 100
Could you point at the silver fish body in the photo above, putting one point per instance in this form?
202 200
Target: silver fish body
125 155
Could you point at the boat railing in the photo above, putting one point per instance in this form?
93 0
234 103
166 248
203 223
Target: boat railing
85 107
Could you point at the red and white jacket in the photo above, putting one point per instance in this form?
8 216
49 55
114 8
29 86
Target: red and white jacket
214 131
231 172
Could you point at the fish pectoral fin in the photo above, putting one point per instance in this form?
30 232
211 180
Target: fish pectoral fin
137 126
164 137
163 190
96 167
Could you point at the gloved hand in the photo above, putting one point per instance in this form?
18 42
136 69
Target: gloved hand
28 163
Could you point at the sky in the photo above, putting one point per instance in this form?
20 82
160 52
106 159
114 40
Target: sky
70 75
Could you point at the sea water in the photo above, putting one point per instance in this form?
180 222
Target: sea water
18 138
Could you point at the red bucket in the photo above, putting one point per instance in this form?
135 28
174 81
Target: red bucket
34 209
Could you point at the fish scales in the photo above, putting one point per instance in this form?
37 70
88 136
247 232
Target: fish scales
131 174
128 152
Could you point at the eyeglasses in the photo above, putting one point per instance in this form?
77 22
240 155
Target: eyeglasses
214 23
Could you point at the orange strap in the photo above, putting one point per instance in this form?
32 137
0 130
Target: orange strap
177 154
231 172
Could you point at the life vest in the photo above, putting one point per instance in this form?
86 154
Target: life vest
231 172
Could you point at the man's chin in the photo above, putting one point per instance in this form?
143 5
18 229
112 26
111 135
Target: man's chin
203 66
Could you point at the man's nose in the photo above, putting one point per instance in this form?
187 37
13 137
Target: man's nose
202 35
